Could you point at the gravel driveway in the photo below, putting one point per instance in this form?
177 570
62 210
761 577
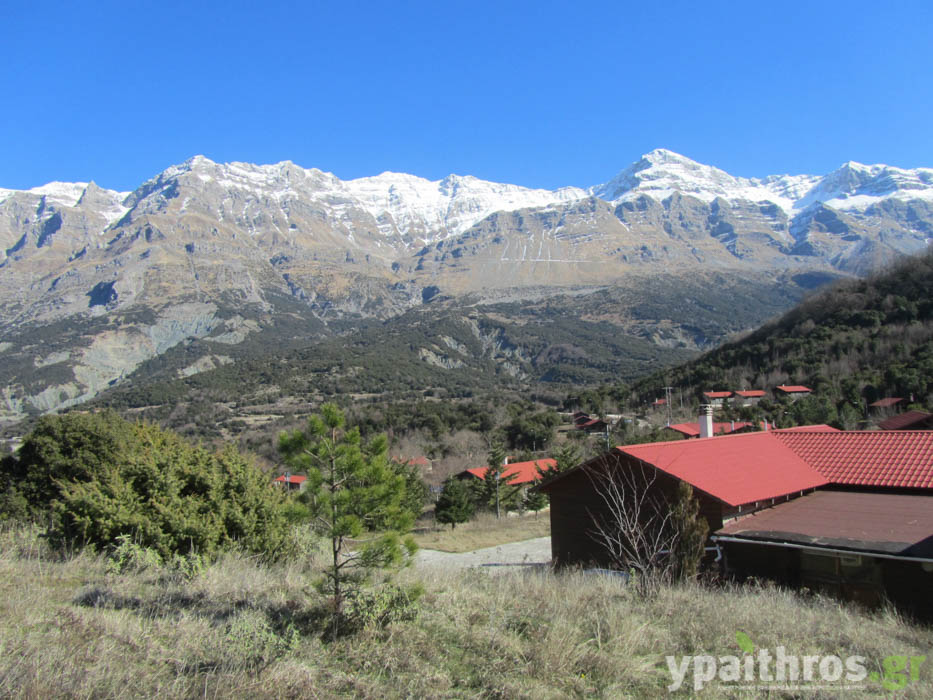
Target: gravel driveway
534 553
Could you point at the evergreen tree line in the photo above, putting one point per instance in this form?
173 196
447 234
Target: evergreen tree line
853 344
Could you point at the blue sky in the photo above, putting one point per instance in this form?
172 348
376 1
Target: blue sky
542 94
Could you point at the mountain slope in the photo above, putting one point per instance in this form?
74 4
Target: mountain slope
853 343
208 249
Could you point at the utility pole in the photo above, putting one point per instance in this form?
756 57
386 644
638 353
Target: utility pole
667 394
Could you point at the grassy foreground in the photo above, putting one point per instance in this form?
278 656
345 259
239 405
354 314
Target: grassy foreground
485 530
70 628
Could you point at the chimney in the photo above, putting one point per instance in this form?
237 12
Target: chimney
706 421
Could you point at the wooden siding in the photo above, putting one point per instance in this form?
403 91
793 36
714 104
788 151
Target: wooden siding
576 506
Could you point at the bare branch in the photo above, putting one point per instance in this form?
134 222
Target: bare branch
635 524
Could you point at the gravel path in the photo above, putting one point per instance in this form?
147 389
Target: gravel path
534 553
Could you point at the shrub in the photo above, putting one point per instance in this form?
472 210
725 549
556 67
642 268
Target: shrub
102 478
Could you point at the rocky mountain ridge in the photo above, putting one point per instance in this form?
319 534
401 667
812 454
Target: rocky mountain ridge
99 281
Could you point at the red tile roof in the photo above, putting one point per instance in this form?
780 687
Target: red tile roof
794 389
817 428
866 458
292 479
751 393
693 429
886 403
717 394
737 469
518 473
908 420
743 468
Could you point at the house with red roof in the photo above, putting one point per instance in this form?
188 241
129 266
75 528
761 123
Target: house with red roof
715 398
422 462
516 474
749 397
692 430
849 513
888 403
794 391
291 482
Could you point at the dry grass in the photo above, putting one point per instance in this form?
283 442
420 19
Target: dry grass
70 629
485 530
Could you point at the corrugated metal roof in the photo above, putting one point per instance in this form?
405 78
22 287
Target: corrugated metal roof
866 458
292 479
736 469
751 393
717 394
880 522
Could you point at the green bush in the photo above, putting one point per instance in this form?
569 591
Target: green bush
101 478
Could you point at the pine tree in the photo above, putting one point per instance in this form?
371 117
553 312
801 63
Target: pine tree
455 504
493 480
535 499
351 491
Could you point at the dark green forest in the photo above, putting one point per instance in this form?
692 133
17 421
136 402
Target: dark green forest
854 343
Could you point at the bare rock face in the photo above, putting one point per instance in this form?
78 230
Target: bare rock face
95 282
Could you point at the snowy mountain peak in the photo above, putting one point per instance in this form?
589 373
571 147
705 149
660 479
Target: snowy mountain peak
661 172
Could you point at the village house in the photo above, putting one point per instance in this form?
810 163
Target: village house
749 397
422 463
291 482
716 398
516 474
793 391
909 420
695 430
886 405
849 513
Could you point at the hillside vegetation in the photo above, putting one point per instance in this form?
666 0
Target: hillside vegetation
547 345
854 343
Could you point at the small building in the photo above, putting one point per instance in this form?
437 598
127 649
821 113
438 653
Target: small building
885 405
516 474
291 482
909 420
593 425
659 403
749 397
858 546
852 510
422 462
716 398
793 391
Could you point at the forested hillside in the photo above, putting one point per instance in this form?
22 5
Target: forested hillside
854 343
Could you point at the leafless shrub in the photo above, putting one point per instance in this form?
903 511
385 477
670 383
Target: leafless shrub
645 527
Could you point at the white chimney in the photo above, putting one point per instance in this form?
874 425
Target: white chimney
706 421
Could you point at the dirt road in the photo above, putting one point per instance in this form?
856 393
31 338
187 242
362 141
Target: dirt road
529 554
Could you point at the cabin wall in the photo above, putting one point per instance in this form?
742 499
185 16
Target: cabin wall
576 507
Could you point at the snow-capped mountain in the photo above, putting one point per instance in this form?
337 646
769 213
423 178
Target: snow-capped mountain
661 173
93 282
